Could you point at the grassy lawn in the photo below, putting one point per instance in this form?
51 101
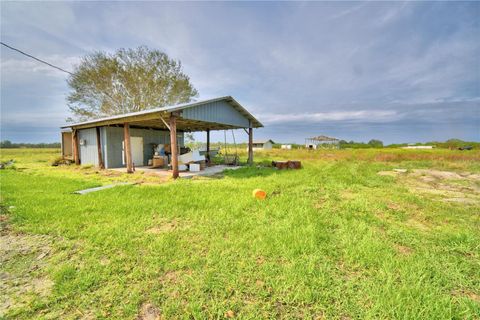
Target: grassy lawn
335 240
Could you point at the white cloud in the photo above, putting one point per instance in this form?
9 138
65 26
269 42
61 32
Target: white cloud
17 69
354 115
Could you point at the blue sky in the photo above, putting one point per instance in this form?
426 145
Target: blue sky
394 71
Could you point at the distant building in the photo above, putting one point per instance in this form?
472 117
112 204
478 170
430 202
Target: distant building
263 145
286 146
322 142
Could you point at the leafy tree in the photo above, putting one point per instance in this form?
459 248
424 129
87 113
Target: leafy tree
128 80
375 143
6 144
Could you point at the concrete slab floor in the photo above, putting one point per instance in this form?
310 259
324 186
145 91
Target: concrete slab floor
209 171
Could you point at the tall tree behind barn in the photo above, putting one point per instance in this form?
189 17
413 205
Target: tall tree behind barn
128 80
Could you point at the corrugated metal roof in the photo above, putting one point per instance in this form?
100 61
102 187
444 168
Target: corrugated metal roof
237 106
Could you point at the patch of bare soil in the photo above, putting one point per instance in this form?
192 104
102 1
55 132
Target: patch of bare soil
164 226
348 194
403 250
110 173
457 187
468 294
388 173
175 277
149 312
418 224
23 258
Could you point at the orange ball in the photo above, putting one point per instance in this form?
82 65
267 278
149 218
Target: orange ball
259 194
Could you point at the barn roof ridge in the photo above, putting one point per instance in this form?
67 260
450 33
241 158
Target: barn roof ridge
229 99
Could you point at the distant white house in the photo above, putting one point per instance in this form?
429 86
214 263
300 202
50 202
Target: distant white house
286 146
263 145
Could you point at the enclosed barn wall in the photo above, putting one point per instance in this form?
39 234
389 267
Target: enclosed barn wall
87 140
217 112
114 139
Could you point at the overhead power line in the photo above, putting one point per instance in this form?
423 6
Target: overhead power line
35 58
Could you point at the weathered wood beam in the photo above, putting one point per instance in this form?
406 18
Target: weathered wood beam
208 146
165 123
127 147
62 134
173 145
250 145
101 165
158 121
76 153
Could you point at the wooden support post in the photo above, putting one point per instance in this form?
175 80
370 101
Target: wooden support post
208 146
62 135
173 145
127 147
76 153
250 145
101 165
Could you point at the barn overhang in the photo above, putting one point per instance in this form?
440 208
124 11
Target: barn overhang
214 114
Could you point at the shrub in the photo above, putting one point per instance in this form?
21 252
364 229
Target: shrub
61 161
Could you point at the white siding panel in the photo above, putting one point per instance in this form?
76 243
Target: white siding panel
88 151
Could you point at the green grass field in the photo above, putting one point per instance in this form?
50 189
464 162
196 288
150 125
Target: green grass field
334 240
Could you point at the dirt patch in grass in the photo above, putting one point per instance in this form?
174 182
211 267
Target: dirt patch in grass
164 226
394 206
403 250
171 276
348 194
421 156
448 186
23 258
468 294
149 312
437 174
388 173
260 260
109 173
175 276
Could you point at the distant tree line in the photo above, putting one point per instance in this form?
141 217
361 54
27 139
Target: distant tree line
8 144
449 144
374 143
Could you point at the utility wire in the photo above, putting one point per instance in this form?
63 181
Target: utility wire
40 60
